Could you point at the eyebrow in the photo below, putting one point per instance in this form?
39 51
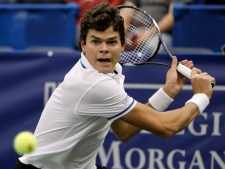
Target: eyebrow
111 38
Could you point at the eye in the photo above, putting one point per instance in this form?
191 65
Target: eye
112 42
95 41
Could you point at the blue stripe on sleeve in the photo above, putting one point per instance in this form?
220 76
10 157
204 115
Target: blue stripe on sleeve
121 113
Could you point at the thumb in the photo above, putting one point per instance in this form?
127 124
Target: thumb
174 62
194 72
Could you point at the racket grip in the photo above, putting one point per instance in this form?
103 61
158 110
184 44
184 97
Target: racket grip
186 71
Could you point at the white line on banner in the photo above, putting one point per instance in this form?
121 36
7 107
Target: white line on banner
157 86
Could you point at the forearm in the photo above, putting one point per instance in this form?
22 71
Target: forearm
176 120
166 23
123 130
181 118
168 123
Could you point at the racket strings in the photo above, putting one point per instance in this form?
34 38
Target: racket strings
147 25
141 36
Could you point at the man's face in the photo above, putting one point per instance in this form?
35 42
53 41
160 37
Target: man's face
102 49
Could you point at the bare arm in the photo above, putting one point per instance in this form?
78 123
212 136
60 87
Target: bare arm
166 23
174 83
125 131
168 123
162 124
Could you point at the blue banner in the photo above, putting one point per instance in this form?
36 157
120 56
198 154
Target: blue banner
28 79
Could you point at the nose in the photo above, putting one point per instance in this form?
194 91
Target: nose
104 48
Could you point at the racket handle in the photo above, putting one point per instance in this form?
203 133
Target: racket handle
186 71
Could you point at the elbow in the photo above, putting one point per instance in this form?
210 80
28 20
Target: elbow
124 138
168 132
167 135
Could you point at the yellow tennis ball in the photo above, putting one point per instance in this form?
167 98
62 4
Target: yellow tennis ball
25 142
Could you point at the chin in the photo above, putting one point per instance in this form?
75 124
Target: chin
105 71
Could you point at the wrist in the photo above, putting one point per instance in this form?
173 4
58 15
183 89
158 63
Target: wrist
170 91
160 100
200 100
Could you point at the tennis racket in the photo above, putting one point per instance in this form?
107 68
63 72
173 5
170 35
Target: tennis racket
143 39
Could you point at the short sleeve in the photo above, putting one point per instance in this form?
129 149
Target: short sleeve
106 99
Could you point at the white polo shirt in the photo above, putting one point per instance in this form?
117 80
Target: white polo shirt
77 118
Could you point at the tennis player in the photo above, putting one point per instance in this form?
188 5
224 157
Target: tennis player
91 99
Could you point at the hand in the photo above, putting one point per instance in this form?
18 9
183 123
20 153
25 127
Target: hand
201 82
175 80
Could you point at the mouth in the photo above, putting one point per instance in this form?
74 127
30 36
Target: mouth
106 60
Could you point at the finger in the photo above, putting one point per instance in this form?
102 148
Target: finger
190 64
174 62
194 72
183 62
187 63
198 71
204 74
213 81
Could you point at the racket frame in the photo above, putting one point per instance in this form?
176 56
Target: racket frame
159 36
180 68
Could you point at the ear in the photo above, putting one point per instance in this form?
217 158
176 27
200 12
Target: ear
83 46
123 47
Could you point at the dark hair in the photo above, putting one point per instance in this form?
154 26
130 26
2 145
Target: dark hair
100 18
